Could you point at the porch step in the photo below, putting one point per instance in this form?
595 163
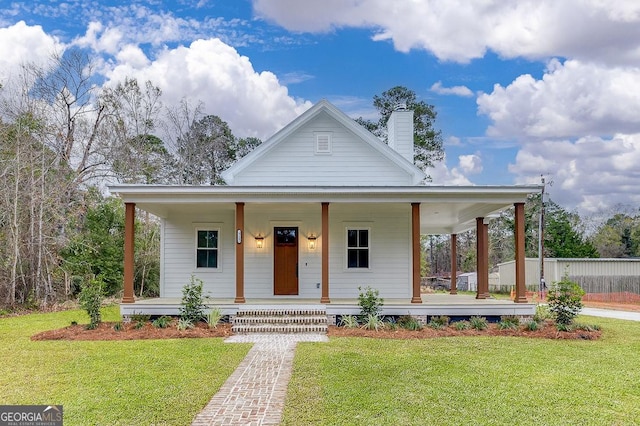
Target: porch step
280 321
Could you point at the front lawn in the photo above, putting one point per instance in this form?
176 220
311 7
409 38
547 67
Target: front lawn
469 380
140 382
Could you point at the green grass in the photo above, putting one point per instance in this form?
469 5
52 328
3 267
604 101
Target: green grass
470 380
144 382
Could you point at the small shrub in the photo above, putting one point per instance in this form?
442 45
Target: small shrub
184 324
192 305
532 325
479 323
74 322
139 320
349 321
118 326
439 322
542 313
391 324
373 322
462 325
565 300
370 302
161 322
214 317
564 327
409 323
90 299
509 322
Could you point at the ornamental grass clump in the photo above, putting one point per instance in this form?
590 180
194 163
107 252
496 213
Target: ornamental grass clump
161 322
349 321
462 325
373 322
509 322
479 323
214 317
439 322
565 301
409 323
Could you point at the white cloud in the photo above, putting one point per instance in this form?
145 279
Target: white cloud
453 141
455 90
460 30
252 103
21 44
442 175
295 77
590 174
470 164
571 100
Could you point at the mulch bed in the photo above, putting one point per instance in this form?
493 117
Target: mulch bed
106 331
549 331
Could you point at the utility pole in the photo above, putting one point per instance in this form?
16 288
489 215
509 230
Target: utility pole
541 239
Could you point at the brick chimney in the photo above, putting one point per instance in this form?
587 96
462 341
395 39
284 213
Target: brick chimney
400 131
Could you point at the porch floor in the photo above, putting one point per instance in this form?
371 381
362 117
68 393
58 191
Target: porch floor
432 304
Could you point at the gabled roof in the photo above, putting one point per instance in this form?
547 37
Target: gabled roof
324 106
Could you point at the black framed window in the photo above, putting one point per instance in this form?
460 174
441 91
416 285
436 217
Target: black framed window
357 248
207 248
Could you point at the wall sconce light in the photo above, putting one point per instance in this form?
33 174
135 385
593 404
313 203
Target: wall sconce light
259 241
312 241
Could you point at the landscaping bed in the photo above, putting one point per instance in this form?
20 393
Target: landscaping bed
547 331
107 331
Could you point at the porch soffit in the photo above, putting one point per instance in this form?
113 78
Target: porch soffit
443 210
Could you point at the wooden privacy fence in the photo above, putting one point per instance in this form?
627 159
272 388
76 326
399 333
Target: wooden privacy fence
619 289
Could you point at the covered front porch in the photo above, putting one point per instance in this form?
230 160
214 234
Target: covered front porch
241 214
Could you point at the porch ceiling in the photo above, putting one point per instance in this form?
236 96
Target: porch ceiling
443 209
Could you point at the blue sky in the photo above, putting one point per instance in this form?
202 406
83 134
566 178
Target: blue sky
522 88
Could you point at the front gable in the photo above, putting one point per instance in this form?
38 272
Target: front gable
323 147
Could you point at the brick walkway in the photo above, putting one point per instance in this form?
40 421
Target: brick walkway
254 394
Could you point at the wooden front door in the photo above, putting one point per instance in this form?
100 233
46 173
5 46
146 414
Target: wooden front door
285 261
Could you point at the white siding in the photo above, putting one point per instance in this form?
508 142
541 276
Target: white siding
178 245
261 219
389 242
294 161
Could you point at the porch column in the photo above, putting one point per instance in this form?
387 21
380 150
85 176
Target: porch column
521 296
485 249
482 264
454 263
325 254
129 250
415 244
240 237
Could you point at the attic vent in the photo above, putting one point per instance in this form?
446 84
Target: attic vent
323 143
